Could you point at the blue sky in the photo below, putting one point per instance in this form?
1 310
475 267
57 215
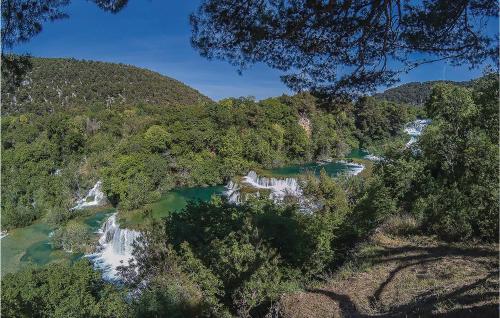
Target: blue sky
155 35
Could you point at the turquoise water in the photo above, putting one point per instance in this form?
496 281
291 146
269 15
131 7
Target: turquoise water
176 200
31 244
331 168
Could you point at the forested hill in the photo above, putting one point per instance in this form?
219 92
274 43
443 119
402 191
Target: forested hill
56 83
414 93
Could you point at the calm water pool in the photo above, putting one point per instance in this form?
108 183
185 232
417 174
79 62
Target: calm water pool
31 245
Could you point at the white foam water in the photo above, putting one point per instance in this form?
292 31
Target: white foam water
353 168
373 158
279 187
115 248
94 197
415 129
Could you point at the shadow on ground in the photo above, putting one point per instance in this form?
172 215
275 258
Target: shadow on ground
409 280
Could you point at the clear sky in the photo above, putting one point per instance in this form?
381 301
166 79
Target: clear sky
155 35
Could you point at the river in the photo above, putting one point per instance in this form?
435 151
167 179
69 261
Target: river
31 244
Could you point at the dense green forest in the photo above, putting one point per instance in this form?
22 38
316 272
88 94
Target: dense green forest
142 150
220 259
55 84
414 93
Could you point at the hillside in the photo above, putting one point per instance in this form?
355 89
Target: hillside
55 83
414 93
396 276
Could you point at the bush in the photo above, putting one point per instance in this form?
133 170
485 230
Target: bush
60 291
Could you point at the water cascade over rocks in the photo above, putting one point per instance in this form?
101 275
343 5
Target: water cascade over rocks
94 197
278 188
115 248
415 128
353 168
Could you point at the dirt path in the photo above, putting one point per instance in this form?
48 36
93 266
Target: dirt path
411 277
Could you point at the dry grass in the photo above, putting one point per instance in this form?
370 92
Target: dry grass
415 276
400 225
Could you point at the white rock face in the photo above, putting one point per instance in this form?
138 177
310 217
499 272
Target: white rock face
415 129
94 197
115 248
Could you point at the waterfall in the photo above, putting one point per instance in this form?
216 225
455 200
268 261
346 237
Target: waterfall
279 187
115 248
372 157
94 197
415 129
232 192
354 168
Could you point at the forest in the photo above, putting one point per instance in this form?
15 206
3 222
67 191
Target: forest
221 259
142 150
127 193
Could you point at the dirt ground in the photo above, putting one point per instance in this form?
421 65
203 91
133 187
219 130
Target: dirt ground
416 276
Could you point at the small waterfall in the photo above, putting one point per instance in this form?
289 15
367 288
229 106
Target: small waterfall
232 192
415 129
279 187
115 248
374 158
353 168
3 234
94 197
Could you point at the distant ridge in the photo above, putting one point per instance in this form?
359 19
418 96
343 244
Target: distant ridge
56 83
414 93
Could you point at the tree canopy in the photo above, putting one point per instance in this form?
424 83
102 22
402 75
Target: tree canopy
344 46
24 19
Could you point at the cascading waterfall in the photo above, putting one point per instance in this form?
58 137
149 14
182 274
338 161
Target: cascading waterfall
372 157
415 128
279 187
94 197
115 248
232 192
353 168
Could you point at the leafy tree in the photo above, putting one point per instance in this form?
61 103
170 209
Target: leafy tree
133 180
449 182
74 236
344 46
157 138
61 290
377 121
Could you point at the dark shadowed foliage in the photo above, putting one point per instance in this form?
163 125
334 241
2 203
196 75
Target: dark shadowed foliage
344 46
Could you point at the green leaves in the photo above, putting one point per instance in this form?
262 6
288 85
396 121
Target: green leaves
452 184
61 290
157 138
